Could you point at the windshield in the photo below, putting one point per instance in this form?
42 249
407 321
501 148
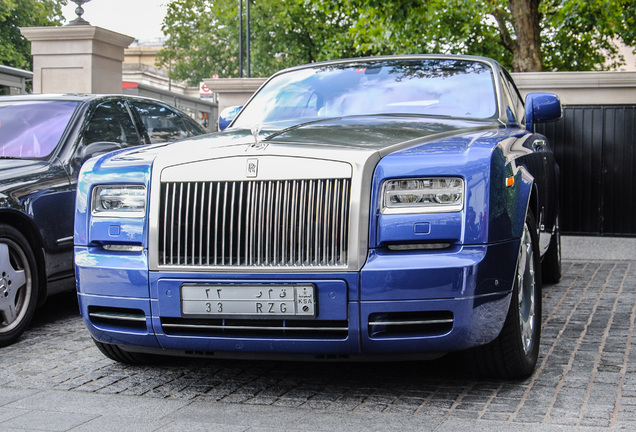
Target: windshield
32 129
436 87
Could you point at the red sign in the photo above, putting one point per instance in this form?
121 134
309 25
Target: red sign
204 91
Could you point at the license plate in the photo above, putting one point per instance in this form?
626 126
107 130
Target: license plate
249 301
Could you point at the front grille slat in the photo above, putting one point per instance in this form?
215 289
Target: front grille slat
238 228
233 225
254 223
276 218
310 210
293 193
201 206
192 237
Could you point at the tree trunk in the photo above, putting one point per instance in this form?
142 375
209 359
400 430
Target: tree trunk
527 45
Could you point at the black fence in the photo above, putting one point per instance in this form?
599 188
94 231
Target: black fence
594 147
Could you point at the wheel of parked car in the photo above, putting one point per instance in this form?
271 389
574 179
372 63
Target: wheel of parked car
551 265
18 284
514 353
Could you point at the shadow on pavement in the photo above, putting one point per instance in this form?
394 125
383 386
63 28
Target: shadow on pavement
57 307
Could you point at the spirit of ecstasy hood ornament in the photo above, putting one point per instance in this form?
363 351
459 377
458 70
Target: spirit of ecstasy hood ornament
258 144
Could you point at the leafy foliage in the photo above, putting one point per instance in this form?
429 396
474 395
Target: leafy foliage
15 50
203 37
582 35
574 35
568 34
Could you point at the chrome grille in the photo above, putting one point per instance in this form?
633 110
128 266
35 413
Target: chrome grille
254 223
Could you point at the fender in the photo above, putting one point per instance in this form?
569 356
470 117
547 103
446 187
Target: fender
511 189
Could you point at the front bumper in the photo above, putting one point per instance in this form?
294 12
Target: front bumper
416 302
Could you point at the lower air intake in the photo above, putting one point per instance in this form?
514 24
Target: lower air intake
120 318
292 329
432 323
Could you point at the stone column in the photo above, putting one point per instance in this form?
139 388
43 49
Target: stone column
76 59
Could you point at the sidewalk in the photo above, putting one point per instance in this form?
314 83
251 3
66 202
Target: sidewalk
579 248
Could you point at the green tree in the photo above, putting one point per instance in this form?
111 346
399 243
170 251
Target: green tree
202 37
15 50
524 35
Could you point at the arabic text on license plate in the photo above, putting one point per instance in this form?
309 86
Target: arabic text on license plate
248 300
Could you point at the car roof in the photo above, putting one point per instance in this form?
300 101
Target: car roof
394 57
70 97
49 97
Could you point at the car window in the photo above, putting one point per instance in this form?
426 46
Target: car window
32 129
517 100
162 123
111 122
435 87
513 99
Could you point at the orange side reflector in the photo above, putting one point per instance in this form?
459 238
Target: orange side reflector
510 181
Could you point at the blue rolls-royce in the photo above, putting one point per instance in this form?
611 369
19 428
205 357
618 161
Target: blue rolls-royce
378 208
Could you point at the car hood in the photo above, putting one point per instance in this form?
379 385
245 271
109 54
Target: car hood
372 132
381 134
345 139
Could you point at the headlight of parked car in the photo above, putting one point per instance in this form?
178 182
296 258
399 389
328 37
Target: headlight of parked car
119 201
423 195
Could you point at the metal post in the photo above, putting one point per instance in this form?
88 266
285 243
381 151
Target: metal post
240 38
247 22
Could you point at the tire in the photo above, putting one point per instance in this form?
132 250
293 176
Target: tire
117 354
551 264
18 284
514 353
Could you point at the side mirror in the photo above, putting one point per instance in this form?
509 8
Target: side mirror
227 115
542 108
97 148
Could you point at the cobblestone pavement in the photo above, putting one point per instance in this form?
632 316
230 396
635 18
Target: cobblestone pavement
54 378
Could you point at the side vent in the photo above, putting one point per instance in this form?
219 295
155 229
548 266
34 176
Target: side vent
431 323
120 318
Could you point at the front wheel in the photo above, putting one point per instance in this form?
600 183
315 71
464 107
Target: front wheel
18 284
514 353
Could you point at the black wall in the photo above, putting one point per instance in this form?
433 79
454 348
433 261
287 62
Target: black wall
594 147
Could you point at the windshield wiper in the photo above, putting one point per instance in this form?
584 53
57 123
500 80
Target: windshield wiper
300 125
312 122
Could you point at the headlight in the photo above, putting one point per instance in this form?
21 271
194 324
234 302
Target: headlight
423 195
119 200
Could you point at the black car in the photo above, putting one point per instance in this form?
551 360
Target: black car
44 139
